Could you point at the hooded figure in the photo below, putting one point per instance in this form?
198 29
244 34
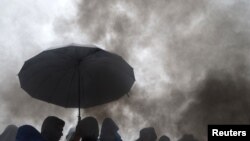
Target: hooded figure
87 129
109 131
28 133
9 134
52 128
164 138
147 134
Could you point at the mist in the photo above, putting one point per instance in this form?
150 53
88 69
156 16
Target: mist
27 29
191 60
176 48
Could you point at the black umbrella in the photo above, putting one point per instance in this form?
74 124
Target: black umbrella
76 76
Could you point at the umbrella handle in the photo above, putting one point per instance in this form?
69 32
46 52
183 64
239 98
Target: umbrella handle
79 116
79 109
79 94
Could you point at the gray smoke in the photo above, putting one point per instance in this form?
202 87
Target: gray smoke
221 98
176 48
187 55
25 28
17 106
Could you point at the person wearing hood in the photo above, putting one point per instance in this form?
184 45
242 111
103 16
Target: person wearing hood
28 133
109 131
52 128
86 130
147 134
9 134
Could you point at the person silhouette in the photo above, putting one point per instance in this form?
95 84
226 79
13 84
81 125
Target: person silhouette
52 128
164 138
109 131
9 134
28 133
147 134
87 130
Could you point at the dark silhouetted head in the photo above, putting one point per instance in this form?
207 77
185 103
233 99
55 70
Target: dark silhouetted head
187 137
9 134
147 134
164 138
88 129
52 128
109 131
28 133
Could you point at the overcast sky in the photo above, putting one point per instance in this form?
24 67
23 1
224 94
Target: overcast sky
191 60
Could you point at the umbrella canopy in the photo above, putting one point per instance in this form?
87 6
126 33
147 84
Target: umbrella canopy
76 76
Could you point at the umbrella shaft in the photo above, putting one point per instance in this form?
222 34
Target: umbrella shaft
79 94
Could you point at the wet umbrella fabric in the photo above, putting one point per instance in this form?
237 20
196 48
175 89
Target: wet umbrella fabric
76 76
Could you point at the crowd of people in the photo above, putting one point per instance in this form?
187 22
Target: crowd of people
86 130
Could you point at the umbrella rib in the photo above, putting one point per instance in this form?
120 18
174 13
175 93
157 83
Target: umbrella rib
46 67
60 80
65 57
46 78
41 70
69 56
126 73
44 59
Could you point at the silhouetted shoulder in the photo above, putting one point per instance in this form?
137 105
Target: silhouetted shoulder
28 133
9 134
